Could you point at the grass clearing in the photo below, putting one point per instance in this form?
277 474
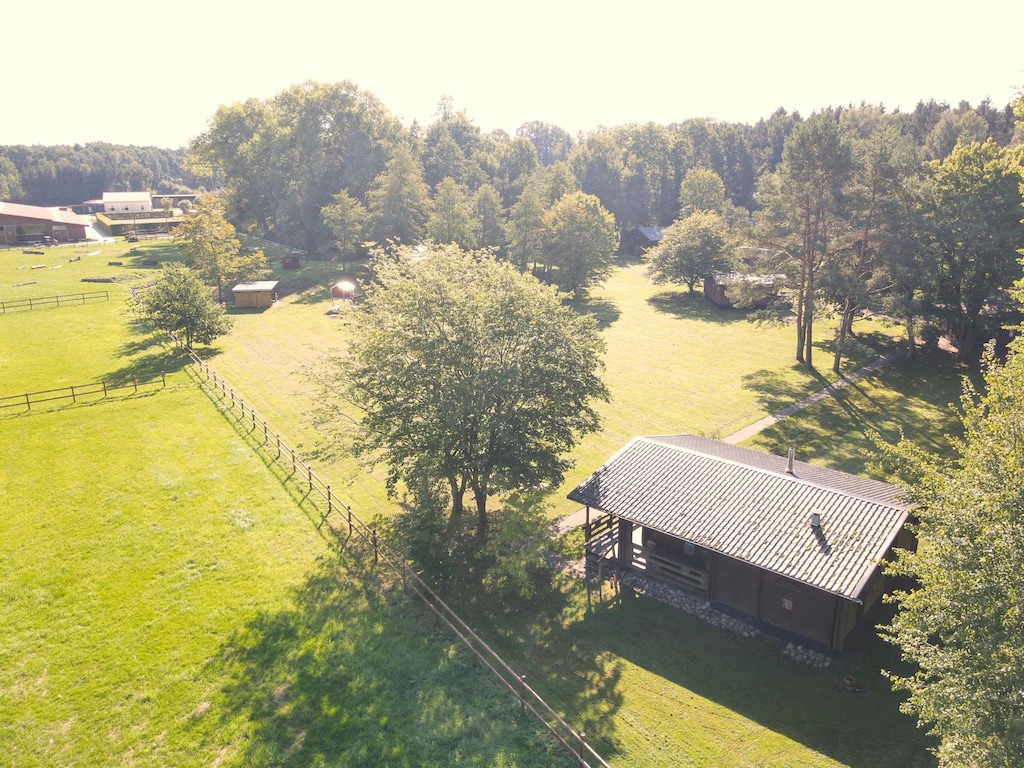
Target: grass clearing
174 603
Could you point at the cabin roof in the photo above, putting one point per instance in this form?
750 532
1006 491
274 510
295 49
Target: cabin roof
747 505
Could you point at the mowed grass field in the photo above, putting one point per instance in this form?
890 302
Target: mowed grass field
169 599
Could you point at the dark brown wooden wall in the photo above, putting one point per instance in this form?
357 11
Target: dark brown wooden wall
735 584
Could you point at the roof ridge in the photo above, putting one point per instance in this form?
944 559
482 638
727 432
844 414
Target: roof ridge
792 476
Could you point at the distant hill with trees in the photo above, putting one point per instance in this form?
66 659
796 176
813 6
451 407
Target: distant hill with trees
67 175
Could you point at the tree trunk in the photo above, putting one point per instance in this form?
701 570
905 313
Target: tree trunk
482 523
457 491
911 340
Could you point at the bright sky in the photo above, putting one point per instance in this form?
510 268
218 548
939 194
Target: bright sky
153 73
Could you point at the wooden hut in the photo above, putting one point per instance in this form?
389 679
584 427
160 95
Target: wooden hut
793 548
256 295
762 288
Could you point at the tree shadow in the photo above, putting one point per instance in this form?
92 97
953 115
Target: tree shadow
355 672
750 676
693 306
604 311
776 391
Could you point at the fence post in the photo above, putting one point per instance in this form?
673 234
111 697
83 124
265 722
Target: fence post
583 748
309 469
375 545
473 646
349 520
73 398
522 693
330 507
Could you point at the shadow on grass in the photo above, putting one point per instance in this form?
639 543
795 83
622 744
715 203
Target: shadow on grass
693 306
355 672
148 353
749 676
605 312
775 391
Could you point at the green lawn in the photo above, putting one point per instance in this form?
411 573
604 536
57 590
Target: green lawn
169 599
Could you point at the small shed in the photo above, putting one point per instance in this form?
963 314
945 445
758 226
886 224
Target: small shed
259 294
291 261
642 239
763 288
794 548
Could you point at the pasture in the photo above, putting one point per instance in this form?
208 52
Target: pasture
169 598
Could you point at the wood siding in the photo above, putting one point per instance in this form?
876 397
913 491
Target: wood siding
259 299
735 584
795 607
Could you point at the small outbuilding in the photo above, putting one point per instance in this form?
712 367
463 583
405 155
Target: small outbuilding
259 294
794 548
758 290
642 239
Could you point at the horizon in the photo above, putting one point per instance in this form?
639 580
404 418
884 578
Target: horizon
579 70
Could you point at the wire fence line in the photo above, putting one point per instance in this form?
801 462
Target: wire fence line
529 700
70 298
76 391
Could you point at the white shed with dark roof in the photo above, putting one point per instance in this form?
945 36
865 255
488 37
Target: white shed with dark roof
794 547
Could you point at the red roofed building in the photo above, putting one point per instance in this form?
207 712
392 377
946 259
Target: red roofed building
30 224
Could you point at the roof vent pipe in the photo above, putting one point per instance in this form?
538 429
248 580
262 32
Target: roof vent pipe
792 455
815 520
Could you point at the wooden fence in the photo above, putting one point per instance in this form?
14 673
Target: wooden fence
529 700
77 391
70 298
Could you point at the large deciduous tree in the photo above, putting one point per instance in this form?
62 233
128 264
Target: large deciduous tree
282 160
472 378
974 235
212 248
580 241
691 248
962 626
179 303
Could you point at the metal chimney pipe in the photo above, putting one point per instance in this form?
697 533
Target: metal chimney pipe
792 455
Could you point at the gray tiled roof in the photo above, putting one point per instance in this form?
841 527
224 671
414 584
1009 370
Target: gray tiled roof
744 504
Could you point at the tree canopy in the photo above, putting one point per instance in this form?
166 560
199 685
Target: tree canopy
963 625
212 248
580 241
179 303
471 376
690 249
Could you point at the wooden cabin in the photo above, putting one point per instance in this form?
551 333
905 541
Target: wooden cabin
762 289
794 548
255 295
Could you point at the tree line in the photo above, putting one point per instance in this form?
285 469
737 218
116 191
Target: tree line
68 175
859 209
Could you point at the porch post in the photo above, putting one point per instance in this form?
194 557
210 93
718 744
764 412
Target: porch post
625 543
